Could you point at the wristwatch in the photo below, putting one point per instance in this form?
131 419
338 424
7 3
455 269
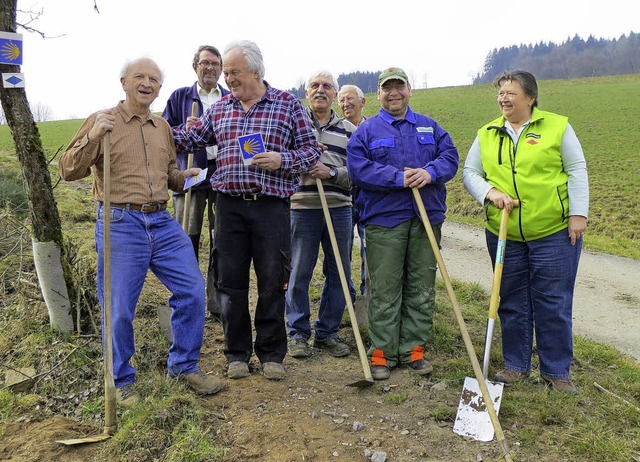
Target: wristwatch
332 173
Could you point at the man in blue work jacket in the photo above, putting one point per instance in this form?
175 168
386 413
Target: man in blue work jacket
391 153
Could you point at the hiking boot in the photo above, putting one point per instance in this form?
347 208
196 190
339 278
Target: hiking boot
507 376
561 385
380 372
299 348
273 371
127 396
421 367
202 383
238 370
334 346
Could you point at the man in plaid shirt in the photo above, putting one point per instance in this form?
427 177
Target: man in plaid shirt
253 221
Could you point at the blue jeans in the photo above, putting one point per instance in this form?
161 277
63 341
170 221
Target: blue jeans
139 242
536 294
363 277
308 232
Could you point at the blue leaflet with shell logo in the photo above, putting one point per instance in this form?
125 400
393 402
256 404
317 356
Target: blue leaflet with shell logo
250 145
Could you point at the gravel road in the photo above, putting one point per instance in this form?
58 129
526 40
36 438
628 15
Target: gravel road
607 299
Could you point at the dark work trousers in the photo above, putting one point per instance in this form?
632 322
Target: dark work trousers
252 229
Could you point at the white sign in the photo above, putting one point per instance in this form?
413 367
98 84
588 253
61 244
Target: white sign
12 80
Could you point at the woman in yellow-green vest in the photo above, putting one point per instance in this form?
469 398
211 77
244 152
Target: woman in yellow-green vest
532 156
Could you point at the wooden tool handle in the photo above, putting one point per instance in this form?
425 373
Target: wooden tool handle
187 197
362 353
109 385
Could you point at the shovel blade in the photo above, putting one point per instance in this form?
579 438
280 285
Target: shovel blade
88 439
472 419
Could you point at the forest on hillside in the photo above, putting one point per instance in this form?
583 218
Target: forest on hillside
573 58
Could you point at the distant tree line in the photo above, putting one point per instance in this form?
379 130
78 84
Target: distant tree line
574 58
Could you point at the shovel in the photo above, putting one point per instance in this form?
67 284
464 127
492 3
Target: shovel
368 379
463 328
109 385
472 418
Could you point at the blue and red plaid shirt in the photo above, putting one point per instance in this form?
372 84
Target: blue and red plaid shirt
285 128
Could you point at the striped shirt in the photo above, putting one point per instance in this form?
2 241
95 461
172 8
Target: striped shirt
335 136
143 159
279 117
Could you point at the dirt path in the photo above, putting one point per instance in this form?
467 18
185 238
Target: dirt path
607 299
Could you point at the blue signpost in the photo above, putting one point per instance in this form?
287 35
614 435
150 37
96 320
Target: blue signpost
10 48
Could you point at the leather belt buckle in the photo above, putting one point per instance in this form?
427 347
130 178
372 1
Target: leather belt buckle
250 197
150 207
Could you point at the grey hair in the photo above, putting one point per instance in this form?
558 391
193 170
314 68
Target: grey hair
252 55
210 49
526 80
128 64
325 74
356 88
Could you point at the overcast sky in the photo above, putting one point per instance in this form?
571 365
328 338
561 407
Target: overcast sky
440 43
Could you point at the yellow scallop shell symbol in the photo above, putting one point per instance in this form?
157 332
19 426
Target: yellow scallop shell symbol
251 146
10 51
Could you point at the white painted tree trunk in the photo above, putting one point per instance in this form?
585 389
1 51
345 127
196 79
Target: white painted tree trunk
46 256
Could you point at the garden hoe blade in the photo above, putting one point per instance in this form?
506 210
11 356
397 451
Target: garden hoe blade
88 439
368 379
109 386
473 419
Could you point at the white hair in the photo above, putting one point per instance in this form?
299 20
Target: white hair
128 64
326 75
356 88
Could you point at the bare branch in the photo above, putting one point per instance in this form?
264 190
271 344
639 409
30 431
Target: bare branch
33 16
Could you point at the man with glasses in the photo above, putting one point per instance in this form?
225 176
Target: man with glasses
207 64
388 155
309 229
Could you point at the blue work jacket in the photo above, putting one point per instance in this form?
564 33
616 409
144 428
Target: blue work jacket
377 155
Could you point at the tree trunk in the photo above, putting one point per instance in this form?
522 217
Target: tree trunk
46 225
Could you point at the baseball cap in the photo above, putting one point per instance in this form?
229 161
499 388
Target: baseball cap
392 73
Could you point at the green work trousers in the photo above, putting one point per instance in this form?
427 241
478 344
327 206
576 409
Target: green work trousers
402 266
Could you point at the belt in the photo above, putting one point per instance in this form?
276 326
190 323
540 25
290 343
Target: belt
250 197
149 207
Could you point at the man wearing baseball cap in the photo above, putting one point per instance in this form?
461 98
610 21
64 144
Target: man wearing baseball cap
391 153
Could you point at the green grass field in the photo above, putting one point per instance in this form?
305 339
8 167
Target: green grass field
602 111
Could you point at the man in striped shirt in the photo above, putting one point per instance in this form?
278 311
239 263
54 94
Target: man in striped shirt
309 229
252 203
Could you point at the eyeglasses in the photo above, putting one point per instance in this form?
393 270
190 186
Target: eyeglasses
388 88
324 85
506 95
209 64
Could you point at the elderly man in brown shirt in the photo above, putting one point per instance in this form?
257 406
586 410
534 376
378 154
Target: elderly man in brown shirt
143 234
